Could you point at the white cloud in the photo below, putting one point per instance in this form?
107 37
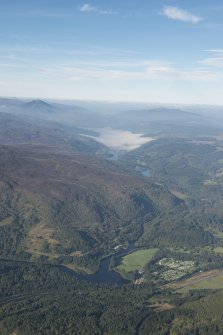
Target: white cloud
158 68
215 61
201 75
217 51
146 71
88 8
128 68
176 13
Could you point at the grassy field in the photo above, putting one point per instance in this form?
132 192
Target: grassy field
211 280
5 222
216 232
136 260
210 182
180 250
218 250
214 283
180 195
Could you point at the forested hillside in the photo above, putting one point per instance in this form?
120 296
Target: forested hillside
72 209
37 299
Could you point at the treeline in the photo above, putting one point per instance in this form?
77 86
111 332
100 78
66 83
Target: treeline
44 300
40 299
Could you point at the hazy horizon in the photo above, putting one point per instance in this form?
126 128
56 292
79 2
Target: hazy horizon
135 51
111 102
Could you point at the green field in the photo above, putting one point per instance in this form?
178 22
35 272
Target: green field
216 232
136 260
218 250
180 250
214 283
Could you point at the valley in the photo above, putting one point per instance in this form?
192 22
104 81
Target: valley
111 167
115 213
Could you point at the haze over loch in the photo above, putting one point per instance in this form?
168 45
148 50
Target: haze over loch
120 139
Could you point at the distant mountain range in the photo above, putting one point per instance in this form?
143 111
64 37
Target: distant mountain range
139 120
45 136
39 106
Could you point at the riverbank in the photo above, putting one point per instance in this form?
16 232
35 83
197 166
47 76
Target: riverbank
105 273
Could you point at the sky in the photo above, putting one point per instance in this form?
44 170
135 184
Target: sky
158 51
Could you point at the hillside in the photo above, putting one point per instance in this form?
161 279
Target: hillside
45 136
65 114
167 121
56 206
38 107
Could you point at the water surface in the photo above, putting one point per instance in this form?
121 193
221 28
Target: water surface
146 173
103 275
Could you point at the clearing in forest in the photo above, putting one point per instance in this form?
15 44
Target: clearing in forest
137 260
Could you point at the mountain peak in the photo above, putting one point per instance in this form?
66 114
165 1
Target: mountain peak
39 105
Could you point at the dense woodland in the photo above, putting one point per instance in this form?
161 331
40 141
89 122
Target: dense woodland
39 299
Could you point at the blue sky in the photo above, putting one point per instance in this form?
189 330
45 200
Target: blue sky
150 51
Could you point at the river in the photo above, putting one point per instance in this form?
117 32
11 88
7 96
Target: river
146 173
